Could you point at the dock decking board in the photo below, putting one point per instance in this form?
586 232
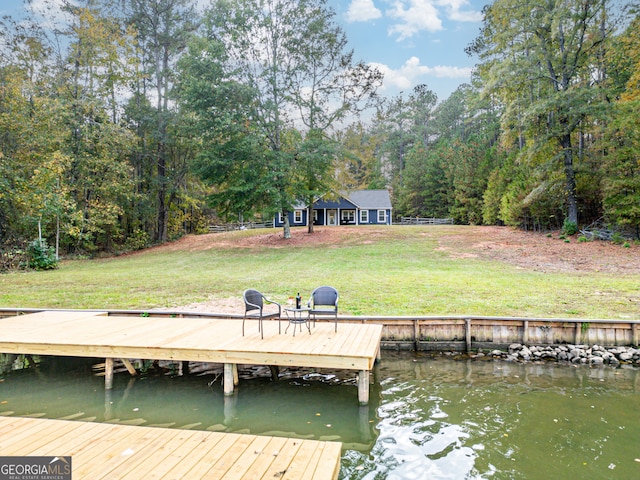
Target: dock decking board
102 450
212 340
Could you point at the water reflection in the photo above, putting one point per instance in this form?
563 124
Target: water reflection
429 417
450 419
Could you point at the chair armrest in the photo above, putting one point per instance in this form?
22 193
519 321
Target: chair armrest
274 303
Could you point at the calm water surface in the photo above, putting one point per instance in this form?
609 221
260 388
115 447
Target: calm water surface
429 417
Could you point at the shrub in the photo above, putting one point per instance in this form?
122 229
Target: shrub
137 241
582 239
617 238
569 227
40 256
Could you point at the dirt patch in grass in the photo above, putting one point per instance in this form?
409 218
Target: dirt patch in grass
536 251
541 252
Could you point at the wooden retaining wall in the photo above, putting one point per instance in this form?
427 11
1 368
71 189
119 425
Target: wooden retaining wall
461 333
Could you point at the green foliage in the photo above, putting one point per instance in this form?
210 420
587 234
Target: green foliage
569 227
582 239
617 238
40 256
137 241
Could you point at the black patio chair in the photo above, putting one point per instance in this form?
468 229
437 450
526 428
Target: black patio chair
254 300
324 301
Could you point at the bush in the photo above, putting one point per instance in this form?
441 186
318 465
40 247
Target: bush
569 227
582 239
138 240
617 238
40 256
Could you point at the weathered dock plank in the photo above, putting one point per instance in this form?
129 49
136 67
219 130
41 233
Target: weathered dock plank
102 450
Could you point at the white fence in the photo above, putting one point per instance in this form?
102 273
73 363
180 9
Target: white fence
239 226
425 221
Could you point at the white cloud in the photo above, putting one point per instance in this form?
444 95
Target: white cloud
414 16
455 12
362 11
412 73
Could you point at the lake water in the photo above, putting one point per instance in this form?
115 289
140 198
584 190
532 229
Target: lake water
428 418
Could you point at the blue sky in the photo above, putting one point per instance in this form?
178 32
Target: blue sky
411 41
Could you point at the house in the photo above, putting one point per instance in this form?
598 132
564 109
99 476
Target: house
360 207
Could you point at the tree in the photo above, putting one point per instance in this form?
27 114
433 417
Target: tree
231 157
292 56
95 66
358 167
162 28
540 58
404 124
327 87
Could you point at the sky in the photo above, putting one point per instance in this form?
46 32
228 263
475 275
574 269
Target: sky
412 42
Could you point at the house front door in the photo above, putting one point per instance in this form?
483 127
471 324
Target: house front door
332 218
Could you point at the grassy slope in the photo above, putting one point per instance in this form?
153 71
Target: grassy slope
399 273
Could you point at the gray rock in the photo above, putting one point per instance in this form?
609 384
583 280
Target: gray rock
625 356
596 361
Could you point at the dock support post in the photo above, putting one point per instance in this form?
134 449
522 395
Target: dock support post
363 387
129 367
467 325
108 373
634 334
525 332
229 380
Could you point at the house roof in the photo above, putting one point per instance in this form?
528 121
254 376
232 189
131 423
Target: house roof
374 199
363 199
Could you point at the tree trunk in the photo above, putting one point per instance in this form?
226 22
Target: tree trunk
161 233
310 218
570 177
286 228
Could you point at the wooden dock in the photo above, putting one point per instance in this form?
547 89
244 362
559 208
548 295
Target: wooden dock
102 450
214 340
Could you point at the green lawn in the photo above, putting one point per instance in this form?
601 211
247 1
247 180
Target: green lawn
399 272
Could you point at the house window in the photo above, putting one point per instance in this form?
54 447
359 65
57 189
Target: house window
297 216
348 216
280 219
382 216
315 216
364 216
